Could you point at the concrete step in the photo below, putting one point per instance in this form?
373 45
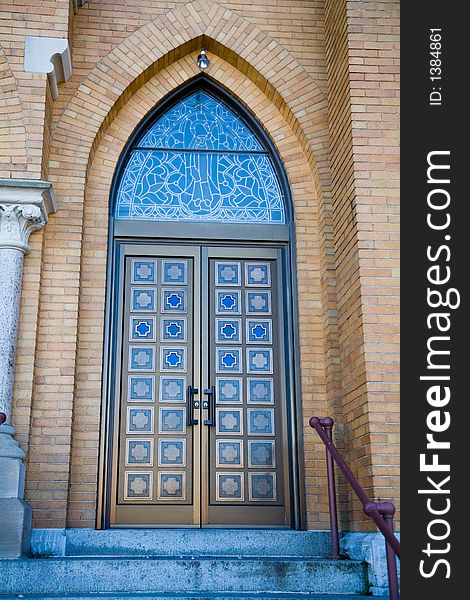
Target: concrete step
195 596
197 542
164 576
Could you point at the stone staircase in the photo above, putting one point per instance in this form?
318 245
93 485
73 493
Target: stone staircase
190 564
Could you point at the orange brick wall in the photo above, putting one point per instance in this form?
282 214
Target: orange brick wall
281 58
374 76
362 49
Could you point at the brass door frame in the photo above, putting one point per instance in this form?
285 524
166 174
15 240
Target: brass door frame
281 238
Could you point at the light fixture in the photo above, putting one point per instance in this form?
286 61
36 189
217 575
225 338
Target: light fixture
202 61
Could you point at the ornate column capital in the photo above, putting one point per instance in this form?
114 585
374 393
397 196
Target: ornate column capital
24 207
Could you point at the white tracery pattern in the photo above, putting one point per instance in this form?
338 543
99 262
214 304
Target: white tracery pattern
200 162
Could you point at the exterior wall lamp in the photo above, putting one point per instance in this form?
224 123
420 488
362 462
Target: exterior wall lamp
202 60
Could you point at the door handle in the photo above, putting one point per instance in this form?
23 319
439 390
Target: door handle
210 405
191 404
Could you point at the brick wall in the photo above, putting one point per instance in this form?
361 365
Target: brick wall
280 57
362 49
18 19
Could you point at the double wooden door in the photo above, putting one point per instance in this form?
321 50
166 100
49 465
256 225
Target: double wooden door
200 411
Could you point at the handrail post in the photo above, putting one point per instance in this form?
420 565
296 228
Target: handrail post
327 424
387 510
380 512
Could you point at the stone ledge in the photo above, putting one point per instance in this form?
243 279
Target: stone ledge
49 55
370 547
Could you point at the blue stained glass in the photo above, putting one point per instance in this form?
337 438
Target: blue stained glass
200 122
169 178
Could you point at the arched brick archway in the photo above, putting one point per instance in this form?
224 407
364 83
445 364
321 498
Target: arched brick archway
279 91
93 268
175 35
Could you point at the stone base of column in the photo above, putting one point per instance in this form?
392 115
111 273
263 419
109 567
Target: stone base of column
15 513
15 528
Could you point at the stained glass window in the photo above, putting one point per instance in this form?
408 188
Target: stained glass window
200 162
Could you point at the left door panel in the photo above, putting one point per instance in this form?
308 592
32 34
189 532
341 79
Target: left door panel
156 421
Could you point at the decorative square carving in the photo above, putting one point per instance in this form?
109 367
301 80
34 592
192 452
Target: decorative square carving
259 331
260 390
228 331
259 360
174 301
229 487
262 487
228 360
142 329
172 389
173 330
175 272
258 302
227 273
229 453
261 454
140 419
172 453
143 300
228 302
141 358
229 421
171 486
144 271
172 420
173 359
139 452
257 274
138 485
141 389
229 391
261 421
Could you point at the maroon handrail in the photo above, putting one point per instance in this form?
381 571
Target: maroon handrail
380 512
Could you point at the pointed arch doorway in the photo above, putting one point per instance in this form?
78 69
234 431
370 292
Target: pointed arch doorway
201 387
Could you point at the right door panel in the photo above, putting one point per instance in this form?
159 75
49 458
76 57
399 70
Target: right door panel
245 425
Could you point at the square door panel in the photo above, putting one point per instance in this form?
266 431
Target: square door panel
230 487
228 302
144 271
172 389
174 272
140 419
141 388
261 421
229 390
227 273
257 274
138 485
143 299
229 421
229 453
260 390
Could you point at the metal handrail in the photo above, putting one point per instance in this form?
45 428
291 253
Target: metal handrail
380 512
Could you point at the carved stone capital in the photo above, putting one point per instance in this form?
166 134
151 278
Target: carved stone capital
24 207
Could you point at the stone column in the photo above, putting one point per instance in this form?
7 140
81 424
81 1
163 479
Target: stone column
24 207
